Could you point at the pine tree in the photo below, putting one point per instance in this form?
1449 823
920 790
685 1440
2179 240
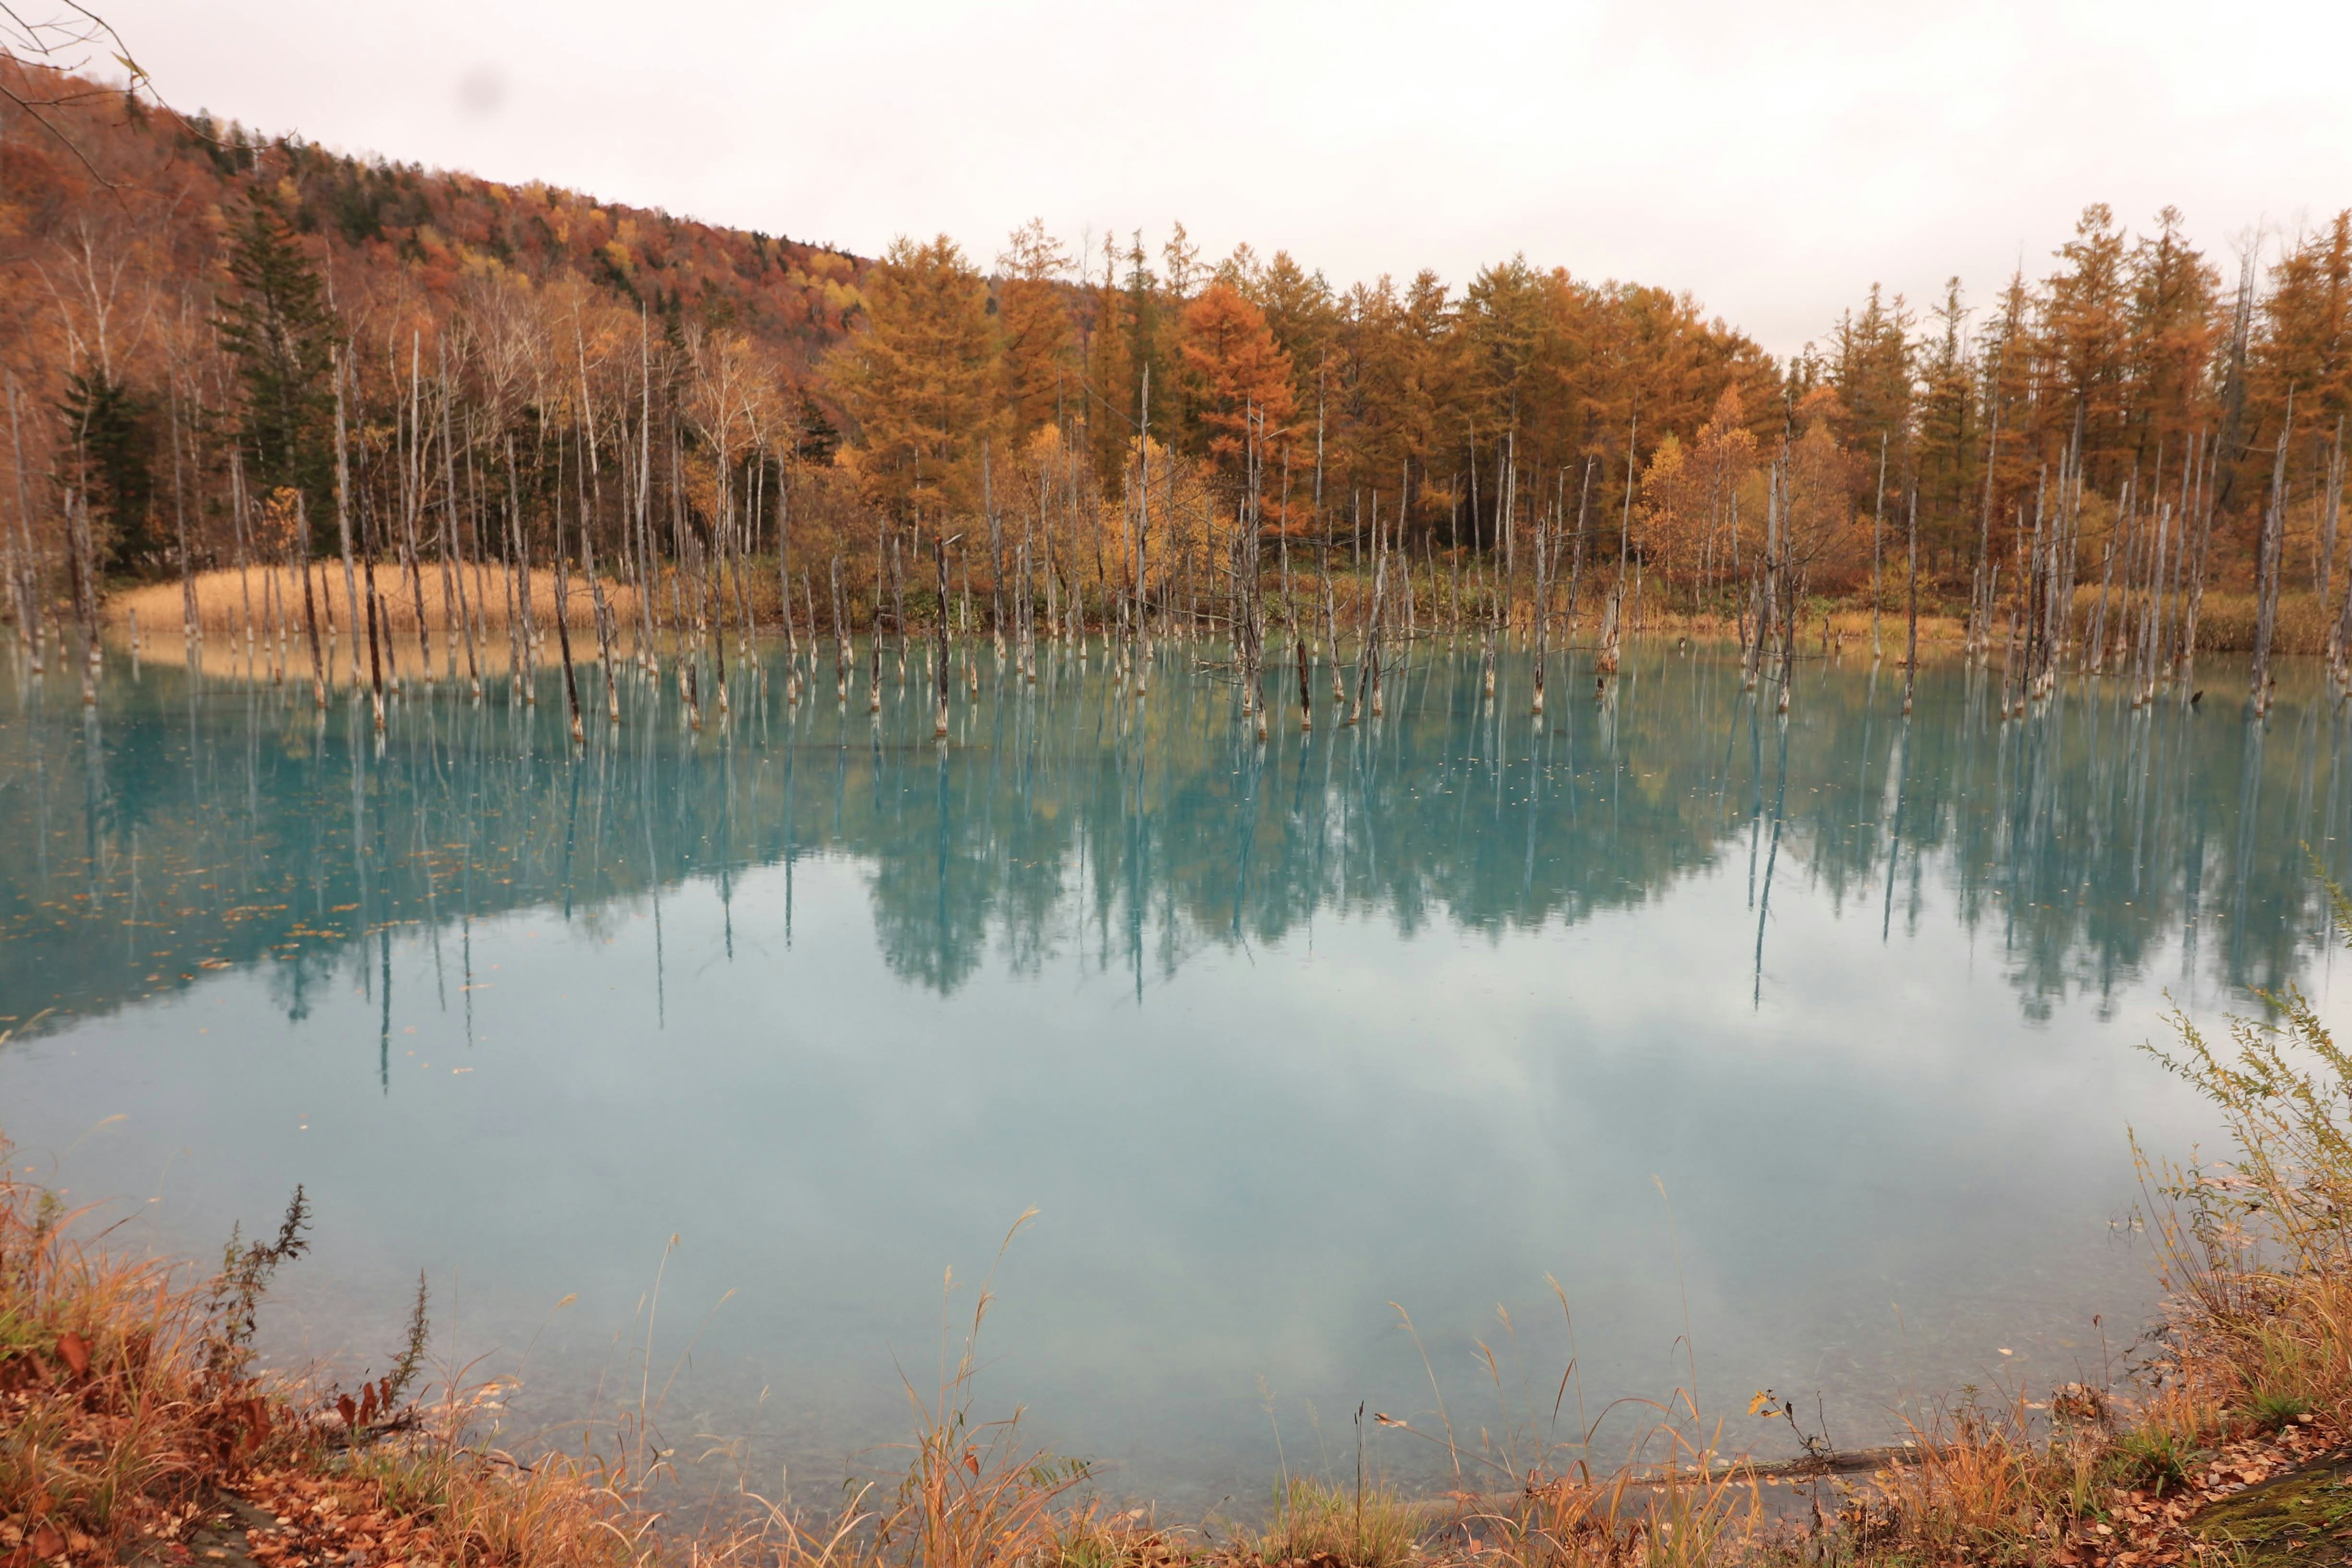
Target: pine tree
276 326
1146 367
107 434
1949 438
1871 366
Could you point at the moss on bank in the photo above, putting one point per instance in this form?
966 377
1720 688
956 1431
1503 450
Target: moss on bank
2302 1516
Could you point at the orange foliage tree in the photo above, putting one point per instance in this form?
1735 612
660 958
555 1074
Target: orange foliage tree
922 379
1236 371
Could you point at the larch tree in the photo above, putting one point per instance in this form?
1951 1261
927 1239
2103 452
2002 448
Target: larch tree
1238 371
1823 542
2175 326
2306 341
2086 332
1035 323
923 379
1109 413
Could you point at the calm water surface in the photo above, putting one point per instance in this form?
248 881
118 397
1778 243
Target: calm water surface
1814 1041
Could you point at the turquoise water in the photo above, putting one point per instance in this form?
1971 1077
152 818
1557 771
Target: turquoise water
1799 1055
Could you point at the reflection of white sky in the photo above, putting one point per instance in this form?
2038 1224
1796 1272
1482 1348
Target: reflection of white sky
1773 160
1236 1177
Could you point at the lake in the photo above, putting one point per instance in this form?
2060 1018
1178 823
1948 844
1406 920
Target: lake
1798 1054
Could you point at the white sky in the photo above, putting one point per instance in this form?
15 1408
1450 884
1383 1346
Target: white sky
1774 160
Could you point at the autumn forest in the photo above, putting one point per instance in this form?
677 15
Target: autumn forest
243 354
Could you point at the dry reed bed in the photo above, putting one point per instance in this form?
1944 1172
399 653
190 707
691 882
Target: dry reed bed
222 597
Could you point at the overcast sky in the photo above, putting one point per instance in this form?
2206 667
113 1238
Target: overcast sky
1773 160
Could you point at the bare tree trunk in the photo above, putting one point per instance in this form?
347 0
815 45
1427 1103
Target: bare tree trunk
188 616
525 631
784 584
1576 562
2266 567
1911 607
1542 606
1331 629
995 551
563 638
375 635
2335 504
939 718
343 510
591 505
1878 527
412 502
309 607
1305 691
840 638
453 549
81 561
29 624
238 530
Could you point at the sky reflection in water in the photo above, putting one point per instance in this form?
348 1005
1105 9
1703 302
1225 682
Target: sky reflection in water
1819 1038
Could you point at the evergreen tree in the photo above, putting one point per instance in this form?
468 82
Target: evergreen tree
1871 366
819 440
1951 435
276 326
1145 365
111 447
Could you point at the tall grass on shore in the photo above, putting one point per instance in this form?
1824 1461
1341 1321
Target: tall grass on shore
129 1407
108 1420
2258 1250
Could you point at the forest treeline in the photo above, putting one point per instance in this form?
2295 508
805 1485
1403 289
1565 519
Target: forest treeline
230 351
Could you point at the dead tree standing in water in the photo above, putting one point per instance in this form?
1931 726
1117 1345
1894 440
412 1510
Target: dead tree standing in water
840 640
1911 608
939 720
2266 567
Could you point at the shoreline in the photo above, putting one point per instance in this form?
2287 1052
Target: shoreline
140 1369
226 599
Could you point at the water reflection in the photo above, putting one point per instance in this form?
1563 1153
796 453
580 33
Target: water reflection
177 829
1275 1034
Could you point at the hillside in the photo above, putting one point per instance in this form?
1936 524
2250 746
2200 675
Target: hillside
384 228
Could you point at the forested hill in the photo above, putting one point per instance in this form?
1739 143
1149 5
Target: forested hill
121 167
201 321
